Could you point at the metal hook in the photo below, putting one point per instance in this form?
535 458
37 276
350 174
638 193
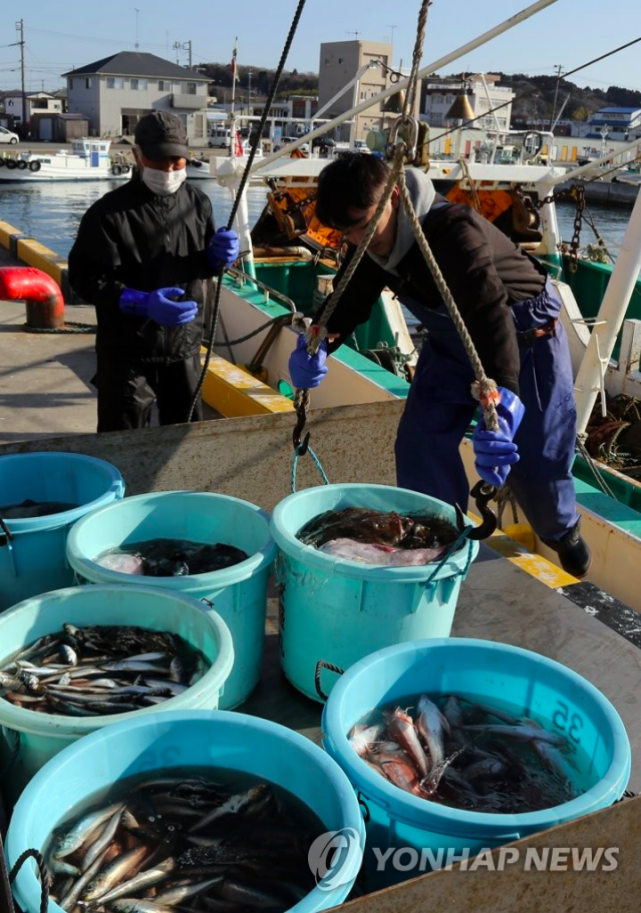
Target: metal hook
482 494
300 447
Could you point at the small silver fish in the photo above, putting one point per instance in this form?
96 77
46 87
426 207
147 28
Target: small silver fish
103 841
145 879
432 726
117 869
73 839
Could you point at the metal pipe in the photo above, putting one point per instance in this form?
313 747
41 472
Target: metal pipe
44 302
609 319
504 26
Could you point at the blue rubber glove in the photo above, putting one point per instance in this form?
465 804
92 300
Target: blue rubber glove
223 248
163 306
305 370
496 451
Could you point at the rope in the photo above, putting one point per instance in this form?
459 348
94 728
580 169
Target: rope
317 463
410 98
44 875
450 551
470 183
603 485
319 333
236 203
70 326
484 388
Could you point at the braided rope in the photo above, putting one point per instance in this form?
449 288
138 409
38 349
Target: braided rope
241 189
317 334
470 183
317 463
42 869
410 98
484 388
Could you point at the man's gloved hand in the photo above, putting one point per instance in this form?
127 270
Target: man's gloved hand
164 306
223 248
305 370
496 451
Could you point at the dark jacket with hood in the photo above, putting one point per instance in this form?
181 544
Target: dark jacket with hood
485 271
133 238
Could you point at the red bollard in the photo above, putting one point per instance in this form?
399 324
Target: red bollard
45 304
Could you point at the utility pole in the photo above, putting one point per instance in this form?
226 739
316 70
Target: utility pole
136 11
559 70
20 44
183 46
393 28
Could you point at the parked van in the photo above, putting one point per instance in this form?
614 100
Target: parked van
220 137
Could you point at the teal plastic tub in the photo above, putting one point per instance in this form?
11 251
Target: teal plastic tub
191 739
334 612
33 560
494 673
238 593
37 737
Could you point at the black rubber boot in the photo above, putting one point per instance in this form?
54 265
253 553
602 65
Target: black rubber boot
574 555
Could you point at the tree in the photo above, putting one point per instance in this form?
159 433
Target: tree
580 114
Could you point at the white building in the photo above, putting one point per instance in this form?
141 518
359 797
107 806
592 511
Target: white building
439 94
37 103
115 92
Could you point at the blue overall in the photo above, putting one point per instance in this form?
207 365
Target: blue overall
440 408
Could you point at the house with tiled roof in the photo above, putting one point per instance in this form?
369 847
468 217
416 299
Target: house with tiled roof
115 92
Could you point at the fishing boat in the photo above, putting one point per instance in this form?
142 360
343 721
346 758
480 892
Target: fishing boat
291 272
89 160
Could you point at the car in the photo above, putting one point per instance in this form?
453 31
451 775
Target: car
6 136
287 140
361 146
324 144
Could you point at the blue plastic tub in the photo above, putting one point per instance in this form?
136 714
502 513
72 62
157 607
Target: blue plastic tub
190 739
336 611
40 736
494 673
239 593
34 561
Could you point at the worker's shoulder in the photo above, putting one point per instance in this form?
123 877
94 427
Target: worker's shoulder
452 214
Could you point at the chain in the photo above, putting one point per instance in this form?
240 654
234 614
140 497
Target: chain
575 194
578 224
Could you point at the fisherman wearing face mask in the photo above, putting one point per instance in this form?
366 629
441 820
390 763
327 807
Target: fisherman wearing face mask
140 256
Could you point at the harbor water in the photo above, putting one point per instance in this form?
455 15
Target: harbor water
51 213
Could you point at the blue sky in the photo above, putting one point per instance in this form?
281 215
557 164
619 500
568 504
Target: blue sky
570 32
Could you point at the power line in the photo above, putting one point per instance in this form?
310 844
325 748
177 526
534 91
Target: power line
532 91
602 57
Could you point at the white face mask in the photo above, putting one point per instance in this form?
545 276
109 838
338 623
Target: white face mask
164 183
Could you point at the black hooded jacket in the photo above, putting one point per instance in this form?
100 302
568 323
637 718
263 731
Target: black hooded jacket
133 238
485 271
